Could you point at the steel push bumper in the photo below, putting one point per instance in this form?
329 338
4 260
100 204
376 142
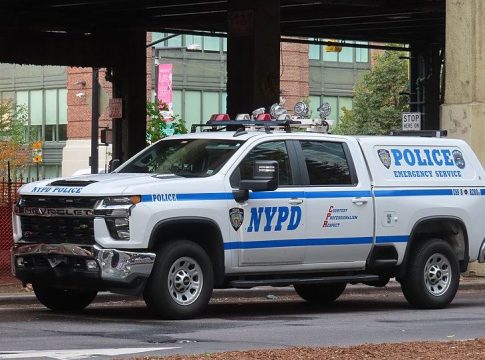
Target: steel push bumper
112 265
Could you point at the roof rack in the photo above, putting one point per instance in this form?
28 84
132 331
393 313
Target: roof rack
234 125
421 133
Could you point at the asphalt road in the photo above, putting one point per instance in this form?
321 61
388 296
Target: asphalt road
123 329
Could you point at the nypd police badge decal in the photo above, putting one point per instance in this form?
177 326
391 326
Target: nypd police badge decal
385 157
236 216
458 157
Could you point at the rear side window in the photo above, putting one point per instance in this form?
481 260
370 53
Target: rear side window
326 163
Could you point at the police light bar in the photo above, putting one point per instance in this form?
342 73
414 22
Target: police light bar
220 117
263 117
231 125
243 117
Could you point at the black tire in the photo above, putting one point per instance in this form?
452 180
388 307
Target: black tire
432 276
320 293
181 282
63 300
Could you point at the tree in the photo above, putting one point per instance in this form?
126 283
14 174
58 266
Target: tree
378 103
14 150
160 124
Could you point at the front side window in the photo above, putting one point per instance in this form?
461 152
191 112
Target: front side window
273 150
183 157
326 163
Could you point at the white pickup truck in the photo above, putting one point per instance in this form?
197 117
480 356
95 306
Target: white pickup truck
219 209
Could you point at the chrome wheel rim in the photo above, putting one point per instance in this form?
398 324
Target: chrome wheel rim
185 280
437 274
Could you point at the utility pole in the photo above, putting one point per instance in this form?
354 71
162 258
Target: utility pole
94 122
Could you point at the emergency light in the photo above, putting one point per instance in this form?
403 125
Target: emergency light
243 117
220 117
263 117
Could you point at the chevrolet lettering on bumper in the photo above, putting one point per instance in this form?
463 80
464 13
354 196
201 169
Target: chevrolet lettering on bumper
42 211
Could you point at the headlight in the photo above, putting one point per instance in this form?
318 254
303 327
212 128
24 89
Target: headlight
116 206
122 200
116 210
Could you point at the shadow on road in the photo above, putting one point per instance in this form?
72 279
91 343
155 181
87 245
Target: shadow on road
245 310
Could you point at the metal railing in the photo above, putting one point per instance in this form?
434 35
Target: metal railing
8 197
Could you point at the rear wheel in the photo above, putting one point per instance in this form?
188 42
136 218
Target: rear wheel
320 293
64 300
181 282
433 275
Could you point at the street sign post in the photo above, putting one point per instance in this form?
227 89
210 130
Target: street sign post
411 121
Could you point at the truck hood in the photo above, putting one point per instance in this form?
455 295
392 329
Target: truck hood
107 184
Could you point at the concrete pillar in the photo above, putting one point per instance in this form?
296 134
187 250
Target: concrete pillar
130 83
253 55
463 113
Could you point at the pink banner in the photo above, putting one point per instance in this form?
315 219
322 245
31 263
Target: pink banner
164 91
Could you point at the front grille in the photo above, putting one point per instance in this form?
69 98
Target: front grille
58 201
56 230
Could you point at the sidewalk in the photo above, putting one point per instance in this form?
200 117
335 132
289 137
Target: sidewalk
19 297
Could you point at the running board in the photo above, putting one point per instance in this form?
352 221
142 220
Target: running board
246 284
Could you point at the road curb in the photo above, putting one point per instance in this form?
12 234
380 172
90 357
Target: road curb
258 292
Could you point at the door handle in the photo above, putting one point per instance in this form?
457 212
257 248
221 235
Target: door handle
359 201
295 201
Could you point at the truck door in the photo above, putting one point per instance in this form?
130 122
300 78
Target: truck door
339 221
269 227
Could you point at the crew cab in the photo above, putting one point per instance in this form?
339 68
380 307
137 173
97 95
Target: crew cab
220 209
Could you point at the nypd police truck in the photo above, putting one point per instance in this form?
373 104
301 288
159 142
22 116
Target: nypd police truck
246 208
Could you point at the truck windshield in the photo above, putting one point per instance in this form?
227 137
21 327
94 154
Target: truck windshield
183 157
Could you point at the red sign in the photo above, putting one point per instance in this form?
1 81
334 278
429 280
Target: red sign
115 108
164 90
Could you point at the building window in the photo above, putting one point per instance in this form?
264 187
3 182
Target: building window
347 55
7 96
191 42
314 52
361 54
47 113
196 107
211 43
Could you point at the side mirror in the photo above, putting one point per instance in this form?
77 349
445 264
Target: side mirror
113 164
264 178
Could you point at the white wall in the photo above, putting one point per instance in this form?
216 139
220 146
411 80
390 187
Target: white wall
75 156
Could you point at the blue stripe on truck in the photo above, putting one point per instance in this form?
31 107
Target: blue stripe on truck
269 244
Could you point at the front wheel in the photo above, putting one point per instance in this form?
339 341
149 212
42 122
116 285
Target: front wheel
63 300
433 275
181 282
320 293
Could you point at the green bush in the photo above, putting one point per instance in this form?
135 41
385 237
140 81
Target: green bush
159 124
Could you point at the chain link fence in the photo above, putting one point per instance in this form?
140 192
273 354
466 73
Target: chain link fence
8 197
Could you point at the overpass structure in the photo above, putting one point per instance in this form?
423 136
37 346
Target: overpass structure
445 39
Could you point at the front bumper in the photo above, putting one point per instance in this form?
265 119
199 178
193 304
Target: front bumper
67 263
